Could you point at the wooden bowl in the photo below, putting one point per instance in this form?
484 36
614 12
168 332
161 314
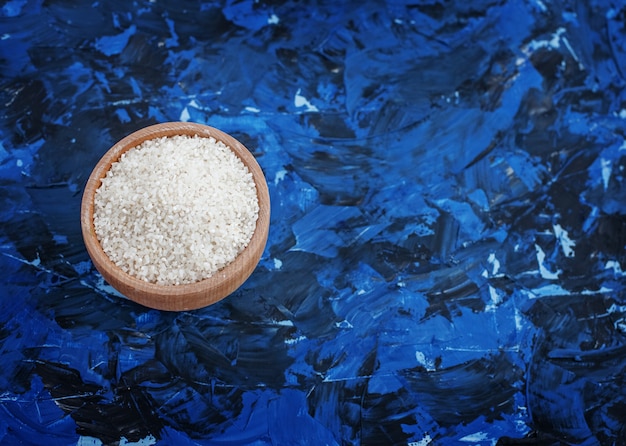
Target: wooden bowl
187 296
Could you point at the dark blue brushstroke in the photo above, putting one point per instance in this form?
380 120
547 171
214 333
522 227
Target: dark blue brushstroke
447 248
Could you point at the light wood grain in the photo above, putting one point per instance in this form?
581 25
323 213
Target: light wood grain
188 296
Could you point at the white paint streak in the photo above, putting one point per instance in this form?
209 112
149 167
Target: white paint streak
184 115
614 308
495 297
606 171
148 441
615 266
519 322
478 436
567 245
495 264
301 101
91 441
548 290
280 176
424 362
295 340
423 442
278 264
545 272
574 55
36 262
283 323
601 290
88 441
554 42
343 324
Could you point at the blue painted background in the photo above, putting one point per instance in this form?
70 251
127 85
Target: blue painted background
447 244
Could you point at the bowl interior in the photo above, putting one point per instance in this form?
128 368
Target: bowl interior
176 297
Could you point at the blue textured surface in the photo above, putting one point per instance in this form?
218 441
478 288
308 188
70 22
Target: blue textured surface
447 244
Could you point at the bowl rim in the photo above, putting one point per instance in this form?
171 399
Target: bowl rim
185 296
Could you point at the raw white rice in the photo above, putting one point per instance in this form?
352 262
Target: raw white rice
176 210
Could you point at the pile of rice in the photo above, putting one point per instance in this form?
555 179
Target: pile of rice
176 210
